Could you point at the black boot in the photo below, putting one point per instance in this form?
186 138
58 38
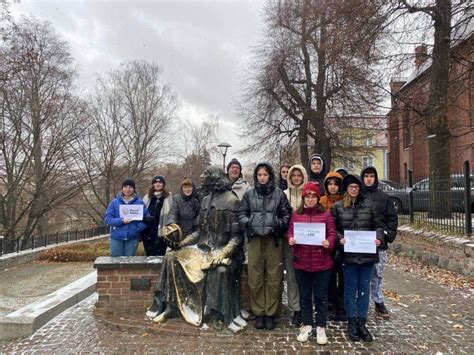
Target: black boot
260 322
363 331
296 320
381 310
270 322
352 329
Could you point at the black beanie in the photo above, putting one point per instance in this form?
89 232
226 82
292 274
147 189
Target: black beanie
158 178
232 162
129 182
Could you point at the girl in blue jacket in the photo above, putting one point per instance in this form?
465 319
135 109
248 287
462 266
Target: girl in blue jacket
124 232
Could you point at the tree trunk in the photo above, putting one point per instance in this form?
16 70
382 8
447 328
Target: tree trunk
303 142
437 119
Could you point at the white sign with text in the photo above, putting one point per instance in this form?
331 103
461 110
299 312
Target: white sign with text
360 242
309 233
135 212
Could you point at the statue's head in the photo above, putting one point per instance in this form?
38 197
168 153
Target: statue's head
214 179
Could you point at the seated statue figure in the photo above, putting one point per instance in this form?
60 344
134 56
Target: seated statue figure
200 276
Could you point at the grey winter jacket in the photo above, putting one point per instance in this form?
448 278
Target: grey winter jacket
185 211
264 209
240 186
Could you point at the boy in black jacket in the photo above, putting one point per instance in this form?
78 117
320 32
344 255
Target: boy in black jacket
386 209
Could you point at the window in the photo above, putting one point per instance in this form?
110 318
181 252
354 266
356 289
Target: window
406 128
368 141
367 161
349 141
349 165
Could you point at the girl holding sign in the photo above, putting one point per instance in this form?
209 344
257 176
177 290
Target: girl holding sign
124 229
355 213
312 235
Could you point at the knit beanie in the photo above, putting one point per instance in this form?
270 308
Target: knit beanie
311 187
128 182
232 162
158 178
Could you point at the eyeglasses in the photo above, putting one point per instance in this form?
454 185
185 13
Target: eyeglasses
353 187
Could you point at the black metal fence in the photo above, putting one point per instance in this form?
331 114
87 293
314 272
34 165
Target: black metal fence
452 212
8 246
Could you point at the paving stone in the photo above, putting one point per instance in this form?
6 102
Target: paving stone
429 318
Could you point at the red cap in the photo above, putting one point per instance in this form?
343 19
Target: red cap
311 187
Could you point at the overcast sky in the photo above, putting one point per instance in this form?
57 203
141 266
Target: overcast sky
202 46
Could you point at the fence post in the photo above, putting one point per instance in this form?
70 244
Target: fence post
410 196
57 237
67 236
46 240
467 198
32 241
18 244
2 244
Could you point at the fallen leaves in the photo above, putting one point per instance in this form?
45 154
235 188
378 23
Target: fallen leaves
392 295
441 276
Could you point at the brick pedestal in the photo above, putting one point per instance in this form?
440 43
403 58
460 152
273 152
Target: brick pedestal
128 283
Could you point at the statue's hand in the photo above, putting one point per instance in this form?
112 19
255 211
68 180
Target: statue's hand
217 260
174 245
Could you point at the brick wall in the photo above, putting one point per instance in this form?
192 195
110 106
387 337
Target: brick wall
128 283
447 252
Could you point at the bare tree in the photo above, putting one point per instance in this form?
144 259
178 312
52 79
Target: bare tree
131 114
41 122
446 82
316 61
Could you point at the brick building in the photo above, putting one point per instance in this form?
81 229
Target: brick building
407 137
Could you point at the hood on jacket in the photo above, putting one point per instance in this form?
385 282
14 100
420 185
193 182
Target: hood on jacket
303 172
323 171
187 181
370 169
332 175
268 187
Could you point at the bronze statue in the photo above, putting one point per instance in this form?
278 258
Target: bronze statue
200 277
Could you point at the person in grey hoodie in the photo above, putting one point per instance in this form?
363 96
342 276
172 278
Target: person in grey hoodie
234 174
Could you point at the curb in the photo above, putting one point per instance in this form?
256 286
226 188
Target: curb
28 319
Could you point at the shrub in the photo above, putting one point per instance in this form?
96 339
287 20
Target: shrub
80 252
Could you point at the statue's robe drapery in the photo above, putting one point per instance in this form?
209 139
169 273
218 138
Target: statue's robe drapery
189 283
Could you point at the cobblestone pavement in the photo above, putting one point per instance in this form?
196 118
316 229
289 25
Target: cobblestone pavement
426 318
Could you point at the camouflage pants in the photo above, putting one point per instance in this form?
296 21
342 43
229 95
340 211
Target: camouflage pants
376 282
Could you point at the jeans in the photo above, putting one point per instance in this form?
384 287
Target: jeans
309 284
121 247
376 283
356 289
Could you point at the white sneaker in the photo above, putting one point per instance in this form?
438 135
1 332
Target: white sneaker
321 337
305 332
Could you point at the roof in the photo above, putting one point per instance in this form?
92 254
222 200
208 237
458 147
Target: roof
459 35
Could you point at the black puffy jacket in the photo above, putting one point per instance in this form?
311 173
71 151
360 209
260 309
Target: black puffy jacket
264 209
383 205
360 216
184 211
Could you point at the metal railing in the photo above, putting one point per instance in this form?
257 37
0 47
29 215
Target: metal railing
453 214
16 245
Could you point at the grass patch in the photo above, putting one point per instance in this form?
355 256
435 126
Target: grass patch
81 252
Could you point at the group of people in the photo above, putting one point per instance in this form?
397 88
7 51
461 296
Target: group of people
262 221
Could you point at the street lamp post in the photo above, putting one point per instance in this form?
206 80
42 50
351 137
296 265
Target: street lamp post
223 148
